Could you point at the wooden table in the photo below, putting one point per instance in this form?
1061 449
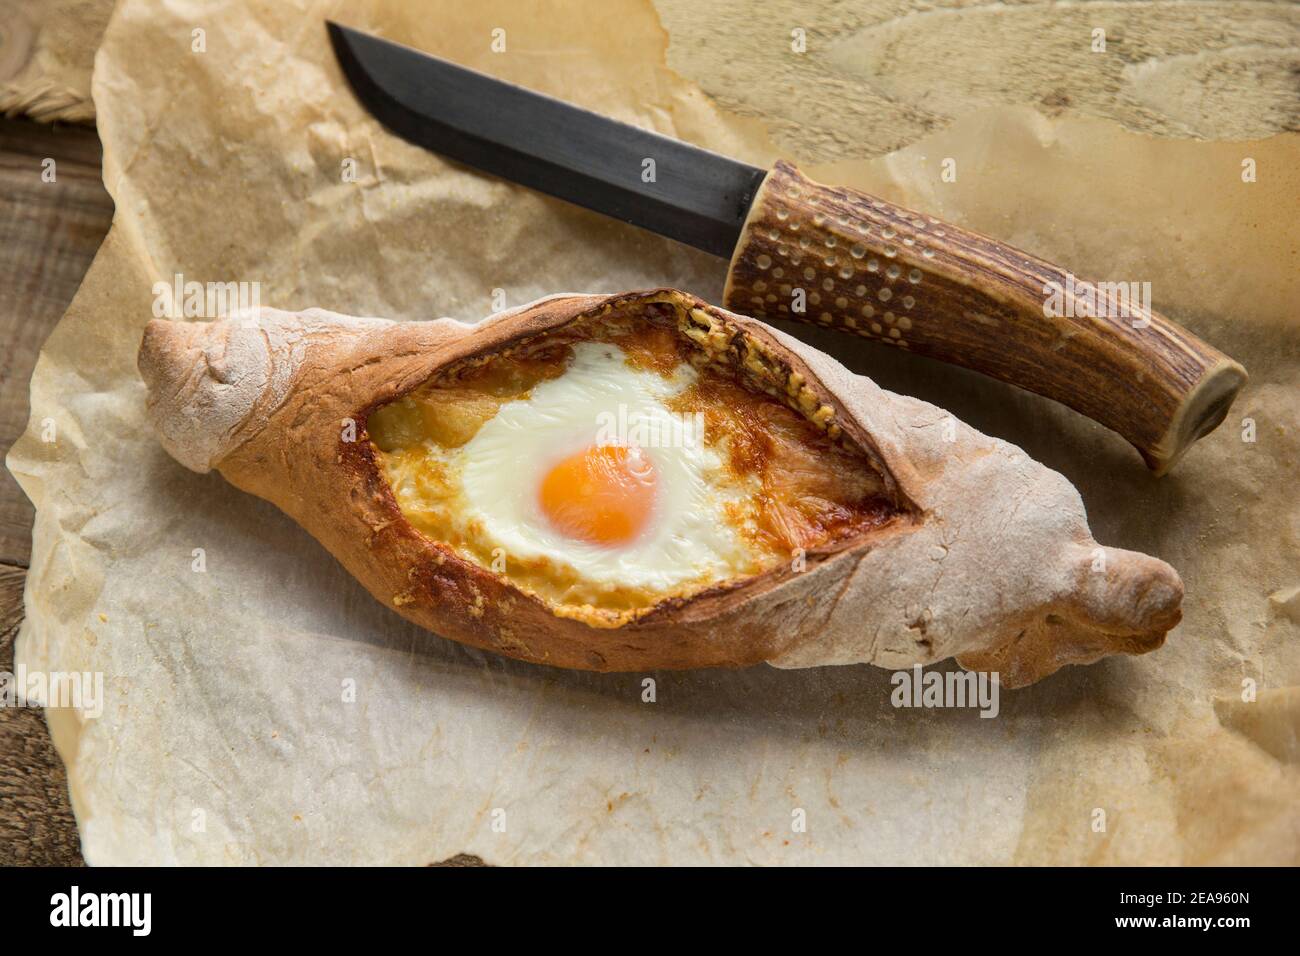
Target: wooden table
898 72
49 232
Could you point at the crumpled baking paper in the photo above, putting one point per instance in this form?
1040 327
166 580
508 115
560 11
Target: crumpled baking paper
47 48
262 708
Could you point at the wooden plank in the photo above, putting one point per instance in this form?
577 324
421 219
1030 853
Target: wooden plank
36 823
49 233
877 75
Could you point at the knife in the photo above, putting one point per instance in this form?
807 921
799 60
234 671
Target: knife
826 255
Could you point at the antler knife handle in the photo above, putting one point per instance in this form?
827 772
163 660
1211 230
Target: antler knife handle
837 257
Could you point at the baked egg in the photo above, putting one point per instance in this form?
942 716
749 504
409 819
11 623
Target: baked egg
617 463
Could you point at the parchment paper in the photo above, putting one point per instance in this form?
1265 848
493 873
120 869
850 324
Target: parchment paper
268 710
47 48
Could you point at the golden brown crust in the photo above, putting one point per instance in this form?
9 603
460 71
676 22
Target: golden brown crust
431 585
933 583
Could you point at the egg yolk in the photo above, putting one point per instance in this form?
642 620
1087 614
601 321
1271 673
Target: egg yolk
602 495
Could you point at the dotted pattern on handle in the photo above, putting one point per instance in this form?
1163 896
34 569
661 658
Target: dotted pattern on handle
836 257
862 274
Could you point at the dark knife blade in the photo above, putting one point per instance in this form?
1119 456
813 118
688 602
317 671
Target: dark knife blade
942 291
696 196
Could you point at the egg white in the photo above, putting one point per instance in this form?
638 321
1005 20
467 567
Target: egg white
687 537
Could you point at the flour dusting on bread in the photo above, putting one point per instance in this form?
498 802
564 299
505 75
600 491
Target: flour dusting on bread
985 557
